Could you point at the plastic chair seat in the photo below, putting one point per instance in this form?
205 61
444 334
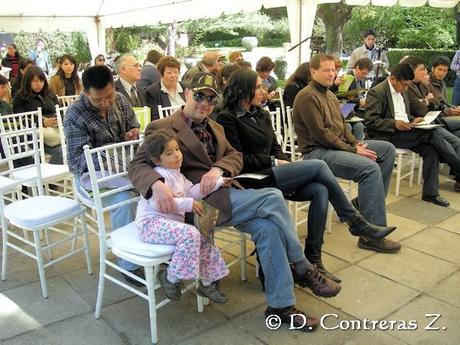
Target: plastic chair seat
48 171
7 184
127 240
33 212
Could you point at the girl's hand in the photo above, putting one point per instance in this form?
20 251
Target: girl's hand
50 122
197 207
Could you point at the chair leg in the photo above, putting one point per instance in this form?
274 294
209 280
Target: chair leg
39 258
329 219
150 279
100 288
47 240
4 245
84 229
420 170
398 173
412 169
243 257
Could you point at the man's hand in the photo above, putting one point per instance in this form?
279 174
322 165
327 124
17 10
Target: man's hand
164 197
208 180
338 80
133 134
402 126
452 111
418 120
429 96
282 162
363 151
362 102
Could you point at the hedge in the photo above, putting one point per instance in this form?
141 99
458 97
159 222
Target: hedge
428 55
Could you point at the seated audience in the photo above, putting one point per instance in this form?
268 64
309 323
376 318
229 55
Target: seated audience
322 134
296 82
66 81
224 75
5 97
129 72
12 60
249 130
207 155
34 94
99 60
234 56
149 71
169 91
23 65
264 68
388 117
209 64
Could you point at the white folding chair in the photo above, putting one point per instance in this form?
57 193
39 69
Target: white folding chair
41 212
275 117
65 101
50 173
143 117
124 242
404 158
167 111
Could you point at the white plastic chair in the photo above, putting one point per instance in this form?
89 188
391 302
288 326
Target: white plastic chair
277 123
65 101
404 158
167 111
41 212
123 242
50 173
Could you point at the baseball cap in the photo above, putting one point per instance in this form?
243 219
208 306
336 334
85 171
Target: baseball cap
204 81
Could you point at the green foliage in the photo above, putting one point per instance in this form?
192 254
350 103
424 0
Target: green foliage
126 39
427 55
57 43
401 27
280 68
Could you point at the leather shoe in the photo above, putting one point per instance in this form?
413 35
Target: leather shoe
137 272
436 199
317 282
307 323
326 273
382 246
359 226
212 292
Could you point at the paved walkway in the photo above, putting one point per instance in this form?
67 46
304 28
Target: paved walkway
422 279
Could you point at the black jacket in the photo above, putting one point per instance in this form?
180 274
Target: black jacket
291 91
47 102
140 92
156 97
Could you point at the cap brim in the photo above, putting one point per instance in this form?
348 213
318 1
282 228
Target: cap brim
205 88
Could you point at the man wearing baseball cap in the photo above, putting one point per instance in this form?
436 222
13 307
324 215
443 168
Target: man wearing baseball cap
262 213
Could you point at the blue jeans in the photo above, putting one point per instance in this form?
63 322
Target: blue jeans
312 180
373 178
357 129
262 213
452 124
119 217
456 92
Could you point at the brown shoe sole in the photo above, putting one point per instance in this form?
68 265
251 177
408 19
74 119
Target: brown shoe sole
379 249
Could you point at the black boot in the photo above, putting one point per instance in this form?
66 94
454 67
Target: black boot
314 256
359 226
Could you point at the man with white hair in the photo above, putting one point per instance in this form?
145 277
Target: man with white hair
129 71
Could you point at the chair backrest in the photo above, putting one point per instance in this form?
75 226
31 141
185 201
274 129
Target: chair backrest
290 137
24 144
65 101
275 117
60 112
142 116
167 111
19 121
283 105
113 161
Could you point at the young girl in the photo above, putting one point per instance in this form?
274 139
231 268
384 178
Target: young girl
193 257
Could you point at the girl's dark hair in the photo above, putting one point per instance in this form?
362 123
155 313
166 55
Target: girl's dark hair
156 142
242 85
301 75
61 73
31 73
226 73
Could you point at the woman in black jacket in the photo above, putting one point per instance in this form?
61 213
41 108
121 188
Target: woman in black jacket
249 130
34 94
296 82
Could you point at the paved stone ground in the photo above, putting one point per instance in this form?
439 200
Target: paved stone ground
422 279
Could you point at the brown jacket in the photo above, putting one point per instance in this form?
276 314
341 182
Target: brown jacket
416 93
195 162
57 86
318 121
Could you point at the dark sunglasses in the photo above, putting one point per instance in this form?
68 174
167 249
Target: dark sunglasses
200 97
101 59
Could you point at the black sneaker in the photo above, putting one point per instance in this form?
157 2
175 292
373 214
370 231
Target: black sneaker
212 292
172 290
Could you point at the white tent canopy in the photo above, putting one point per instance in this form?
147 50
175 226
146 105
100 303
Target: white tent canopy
94 16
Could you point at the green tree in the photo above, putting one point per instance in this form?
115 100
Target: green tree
334 17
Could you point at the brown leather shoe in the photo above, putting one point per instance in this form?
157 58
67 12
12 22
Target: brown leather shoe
382 246
317 282
311 322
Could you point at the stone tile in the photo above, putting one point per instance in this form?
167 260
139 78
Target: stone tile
416 310
406 227
409 267
447 191
452 224
448 289
24 308
22 270
374 338
365 294
332 263
404 189
391 198
254 322
420 211
228 334
437 242
341 244
75 331
176 320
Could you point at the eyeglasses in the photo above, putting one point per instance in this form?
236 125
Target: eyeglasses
200 97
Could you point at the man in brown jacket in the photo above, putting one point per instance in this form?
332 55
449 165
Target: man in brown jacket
262 213
322 134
